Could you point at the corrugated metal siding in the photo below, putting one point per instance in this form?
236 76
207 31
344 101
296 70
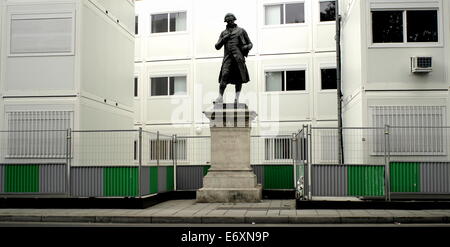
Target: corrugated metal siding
153 180
364 180
2 178
86 181
53 178
278 177
259 172
21 178
435 177
189 177
329 180
120 181
162 179
405 177
145 180
169 180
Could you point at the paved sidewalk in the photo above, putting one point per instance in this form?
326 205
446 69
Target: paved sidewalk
190 212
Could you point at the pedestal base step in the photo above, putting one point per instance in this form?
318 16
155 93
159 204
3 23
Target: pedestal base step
231 195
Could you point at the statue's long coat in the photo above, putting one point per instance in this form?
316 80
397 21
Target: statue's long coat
233 69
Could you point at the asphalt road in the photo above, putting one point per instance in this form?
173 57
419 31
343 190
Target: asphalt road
156 225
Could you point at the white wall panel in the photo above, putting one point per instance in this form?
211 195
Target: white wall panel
107 58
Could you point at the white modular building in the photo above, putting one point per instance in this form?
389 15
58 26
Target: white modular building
291 66
395 62
66 64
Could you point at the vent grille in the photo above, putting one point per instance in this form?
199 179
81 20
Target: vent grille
424 62
421 64
37 134
417 130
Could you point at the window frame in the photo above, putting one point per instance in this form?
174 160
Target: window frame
285 69
22 15
326 66
137 26
150 96
405 43
318 18
138 87
305 14
168 23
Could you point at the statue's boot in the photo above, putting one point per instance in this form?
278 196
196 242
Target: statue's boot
236 100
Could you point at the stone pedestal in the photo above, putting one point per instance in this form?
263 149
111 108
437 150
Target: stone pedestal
230 178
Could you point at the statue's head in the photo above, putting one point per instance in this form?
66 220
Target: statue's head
229 17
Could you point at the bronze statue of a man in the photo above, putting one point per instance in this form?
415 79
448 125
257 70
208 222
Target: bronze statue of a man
237 46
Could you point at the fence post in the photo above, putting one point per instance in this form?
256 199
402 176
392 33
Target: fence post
68 154
309 161
386 164
157 148
294 155
140 163
175 157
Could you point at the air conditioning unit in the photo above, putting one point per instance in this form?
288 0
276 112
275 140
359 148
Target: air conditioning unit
421 64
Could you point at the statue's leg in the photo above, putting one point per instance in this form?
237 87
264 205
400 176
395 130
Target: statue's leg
238 92
222 88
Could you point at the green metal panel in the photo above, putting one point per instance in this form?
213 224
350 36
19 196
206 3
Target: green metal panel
21 178
278 177
205 170
169 175
405 176
365 180
153 179
120 181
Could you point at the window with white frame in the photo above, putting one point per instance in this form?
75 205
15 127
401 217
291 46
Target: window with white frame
136 86
404 26
41 34
291 80
327 11
328 78
414 130
168 22
136 25
285 13
163 86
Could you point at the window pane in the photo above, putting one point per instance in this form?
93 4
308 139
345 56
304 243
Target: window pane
328 11
422 26
295 13
178 22
387 26
136 25
274 14
159 23
295 80
274 81
135 87
328 79
178 85
159 86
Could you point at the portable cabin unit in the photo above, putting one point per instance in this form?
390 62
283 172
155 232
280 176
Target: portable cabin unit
65 64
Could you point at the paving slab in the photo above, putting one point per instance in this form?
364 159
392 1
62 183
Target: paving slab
266 212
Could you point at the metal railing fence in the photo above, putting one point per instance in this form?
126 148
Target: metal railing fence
143 155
